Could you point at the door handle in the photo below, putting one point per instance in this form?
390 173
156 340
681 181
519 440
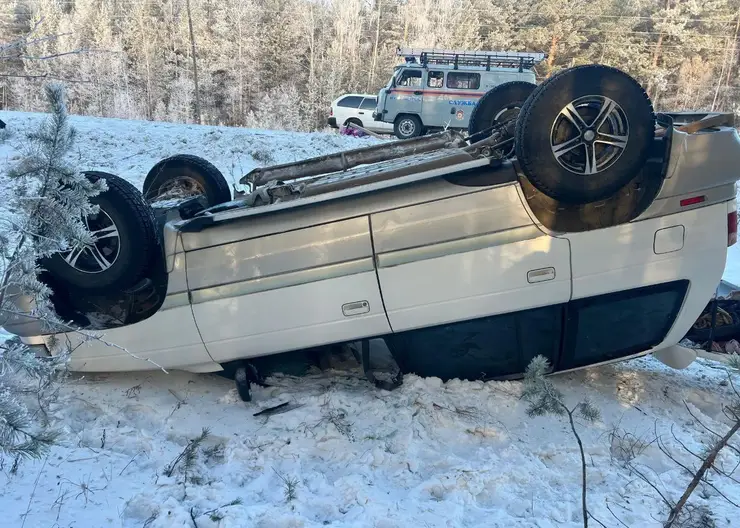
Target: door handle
417 92
452 110
361 113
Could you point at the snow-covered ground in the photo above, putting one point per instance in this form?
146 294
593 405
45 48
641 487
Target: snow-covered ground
130 149
456 454
429 454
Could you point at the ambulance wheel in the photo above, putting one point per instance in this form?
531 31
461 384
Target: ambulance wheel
407 127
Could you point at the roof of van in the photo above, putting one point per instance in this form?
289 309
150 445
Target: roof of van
450 67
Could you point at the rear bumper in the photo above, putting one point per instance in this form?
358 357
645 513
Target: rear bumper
332 121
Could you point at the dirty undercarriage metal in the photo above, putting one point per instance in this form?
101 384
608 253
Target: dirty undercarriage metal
374 164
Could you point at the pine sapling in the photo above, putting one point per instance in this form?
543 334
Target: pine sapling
45 213
544 398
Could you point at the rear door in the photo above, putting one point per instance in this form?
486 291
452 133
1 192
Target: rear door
437 109
471 283
466 257
347 107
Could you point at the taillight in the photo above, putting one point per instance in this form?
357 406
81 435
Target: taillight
331 111
692 201
731 228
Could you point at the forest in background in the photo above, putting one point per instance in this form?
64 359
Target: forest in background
279 63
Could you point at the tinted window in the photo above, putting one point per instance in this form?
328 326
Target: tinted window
369 103
436 79
619 324
463 80
410 78
351 101
489 347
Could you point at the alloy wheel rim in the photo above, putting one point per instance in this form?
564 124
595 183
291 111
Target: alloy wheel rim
589 135
102 252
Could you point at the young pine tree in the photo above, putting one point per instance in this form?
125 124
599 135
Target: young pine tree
544 398
45 213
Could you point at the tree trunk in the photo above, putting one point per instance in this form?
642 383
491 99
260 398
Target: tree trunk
371 79
551 54
195 64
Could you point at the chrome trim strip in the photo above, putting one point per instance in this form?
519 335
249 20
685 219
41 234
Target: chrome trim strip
33 340
283 280
462 245
175 300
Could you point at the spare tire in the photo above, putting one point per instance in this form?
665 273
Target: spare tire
584 133
499 104
126 241
185 176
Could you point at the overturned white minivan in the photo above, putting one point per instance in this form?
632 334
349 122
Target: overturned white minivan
585 228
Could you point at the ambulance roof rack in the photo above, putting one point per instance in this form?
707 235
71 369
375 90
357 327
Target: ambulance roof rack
482 59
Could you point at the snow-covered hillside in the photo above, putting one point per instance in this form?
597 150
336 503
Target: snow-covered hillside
343 453
130 148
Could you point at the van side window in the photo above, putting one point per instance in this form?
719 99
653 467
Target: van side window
351 101
410 78
463 80
436 79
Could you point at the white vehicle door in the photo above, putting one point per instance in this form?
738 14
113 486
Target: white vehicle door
406 96
365 114
631 280
347 108
268 284
466 257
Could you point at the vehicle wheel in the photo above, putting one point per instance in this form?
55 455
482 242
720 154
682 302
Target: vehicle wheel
353 121
407 127
125 242
184 176
499 105
584 133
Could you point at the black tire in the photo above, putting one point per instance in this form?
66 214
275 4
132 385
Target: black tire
500 103
137 245
570 177
199 173
407 126
354 121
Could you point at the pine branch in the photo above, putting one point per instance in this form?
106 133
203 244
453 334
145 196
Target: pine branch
699 476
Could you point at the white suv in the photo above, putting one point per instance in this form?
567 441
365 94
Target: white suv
357 109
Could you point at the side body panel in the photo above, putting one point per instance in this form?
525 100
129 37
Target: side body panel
689 246
169 338
464 258
287 290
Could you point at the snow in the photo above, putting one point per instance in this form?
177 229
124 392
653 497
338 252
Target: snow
429 454
130 149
